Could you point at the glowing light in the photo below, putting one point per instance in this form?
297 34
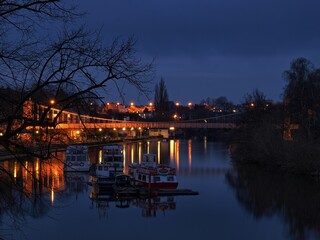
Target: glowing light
251 104
175 116
171 150
114 129
100 156
171 128
139 152
108 103
15 170
132 129
37 132
1 134
190 153
132 154
118 103
132 104
52 195
177 154
189 104
78 132
177 104
159 150
150 104
100 129
123 129
52 101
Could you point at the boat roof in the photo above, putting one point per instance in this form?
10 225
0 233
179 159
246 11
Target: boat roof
77 147
113 147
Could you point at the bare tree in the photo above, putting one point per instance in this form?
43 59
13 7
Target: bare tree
74 61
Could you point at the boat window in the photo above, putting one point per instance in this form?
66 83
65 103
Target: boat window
73 158
118 159
139 177
170 179
105 168
100 168
144 178
156 179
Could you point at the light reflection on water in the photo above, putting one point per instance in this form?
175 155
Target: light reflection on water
234 203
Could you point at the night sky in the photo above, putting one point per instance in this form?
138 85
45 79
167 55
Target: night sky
212 48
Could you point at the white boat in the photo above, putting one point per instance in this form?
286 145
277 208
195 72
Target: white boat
109 167
76 159
153 175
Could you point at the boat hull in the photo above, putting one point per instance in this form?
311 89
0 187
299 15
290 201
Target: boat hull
76 167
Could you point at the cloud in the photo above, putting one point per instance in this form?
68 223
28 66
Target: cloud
238 45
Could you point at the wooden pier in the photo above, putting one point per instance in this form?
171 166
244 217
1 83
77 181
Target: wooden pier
138 192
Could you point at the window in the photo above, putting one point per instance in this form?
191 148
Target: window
156 179
170 179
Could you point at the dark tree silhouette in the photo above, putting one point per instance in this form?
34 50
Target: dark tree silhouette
302 96
70 64
161 96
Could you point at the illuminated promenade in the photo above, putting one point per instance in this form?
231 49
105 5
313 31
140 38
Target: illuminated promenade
72 120
201 123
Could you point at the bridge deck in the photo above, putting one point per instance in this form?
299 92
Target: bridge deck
155 125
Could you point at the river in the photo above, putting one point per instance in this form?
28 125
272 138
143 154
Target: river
234 202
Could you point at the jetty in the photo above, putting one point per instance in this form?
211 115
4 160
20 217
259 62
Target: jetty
137 191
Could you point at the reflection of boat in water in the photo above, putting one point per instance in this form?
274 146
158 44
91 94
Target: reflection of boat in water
76 181
153 175
110 166
150 206
76 159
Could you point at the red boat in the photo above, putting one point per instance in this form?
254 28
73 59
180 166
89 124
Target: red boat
153 175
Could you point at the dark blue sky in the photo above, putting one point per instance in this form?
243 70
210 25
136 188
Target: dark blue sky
212 48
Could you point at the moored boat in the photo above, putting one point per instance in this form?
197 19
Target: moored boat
110 165
76 159
153 175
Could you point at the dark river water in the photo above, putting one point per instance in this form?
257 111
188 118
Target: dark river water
233 202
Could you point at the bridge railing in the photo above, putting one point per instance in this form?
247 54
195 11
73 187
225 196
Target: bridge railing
226 121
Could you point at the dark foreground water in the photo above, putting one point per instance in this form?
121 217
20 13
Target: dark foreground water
233 202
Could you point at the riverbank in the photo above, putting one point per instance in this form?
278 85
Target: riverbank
38 150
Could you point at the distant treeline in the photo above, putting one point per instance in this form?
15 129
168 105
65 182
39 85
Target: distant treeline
287 134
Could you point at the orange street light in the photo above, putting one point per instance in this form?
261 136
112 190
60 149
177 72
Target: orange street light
52 101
